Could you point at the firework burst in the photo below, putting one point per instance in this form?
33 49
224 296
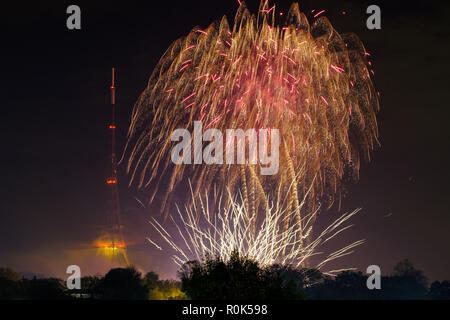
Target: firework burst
309 82
220 228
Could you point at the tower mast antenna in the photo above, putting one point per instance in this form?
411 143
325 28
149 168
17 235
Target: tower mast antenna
117 245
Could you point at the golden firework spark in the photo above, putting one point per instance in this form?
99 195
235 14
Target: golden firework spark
309 82
224 227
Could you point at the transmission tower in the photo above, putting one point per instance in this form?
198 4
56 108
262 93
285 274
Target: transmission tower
113 244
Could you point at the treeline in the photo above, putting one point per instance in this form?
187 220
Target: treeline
237 278
241 278
117 284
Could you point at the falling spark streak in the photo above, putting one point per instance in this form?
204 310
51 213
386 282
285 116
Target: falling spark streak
319 13
218 234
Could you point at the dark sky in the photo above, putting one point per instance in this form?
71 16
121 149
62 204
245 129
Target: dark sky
55 112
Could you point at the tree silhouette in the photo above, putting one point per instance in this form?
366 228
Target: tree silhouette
303 277
440 290
122 284
9 286
151 280
44 289
407 282
347 285
238 278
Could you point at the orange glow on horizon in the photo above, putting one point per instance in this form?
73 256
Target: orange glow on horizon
110 245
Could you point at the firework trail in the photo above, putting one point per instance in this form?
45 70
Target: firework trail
224 228
309 82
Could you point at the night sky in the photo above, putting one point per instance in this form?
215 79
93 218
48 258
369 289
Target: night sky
55 112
